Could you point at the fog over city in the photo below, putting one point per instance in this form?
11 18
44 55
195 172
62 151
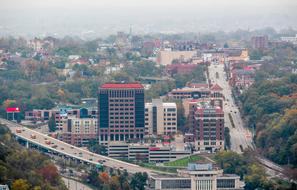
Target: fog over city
96 18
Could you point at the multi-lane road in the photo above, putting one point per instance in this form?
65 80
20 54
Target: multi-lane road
241 137
70 151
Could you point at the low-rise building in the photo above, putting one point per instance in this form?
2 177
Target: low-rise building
166 57
290 39
145 152
186 92
197 177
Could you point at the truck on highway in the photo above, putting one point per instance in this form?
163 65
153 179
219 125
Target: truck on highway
18 130
47 142
33 136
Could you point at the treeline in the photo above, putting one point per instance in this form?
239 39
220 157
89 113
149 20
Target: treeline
271 107
24 169
253 174
116 180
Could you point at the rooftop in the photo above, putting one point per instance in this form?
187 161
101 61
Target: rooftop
122 85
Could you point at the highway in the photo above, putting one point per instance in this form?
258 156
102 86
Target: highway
71 151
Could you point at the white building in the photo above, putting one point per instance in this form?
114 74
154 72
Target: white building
197 177
292 40
160 118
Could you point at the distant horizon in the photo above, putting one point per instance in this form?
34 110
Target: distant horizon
101 18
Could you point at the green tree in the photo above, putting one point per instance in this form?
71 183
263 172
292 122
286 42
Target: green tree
138 181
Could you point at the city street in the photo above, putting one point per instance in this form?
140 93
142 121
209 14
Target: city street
240 136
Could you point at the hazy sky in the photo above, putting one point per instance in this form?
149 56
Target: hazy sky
107 16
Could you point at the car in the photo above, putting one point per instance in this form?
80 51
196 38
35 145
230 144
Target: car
72 147
54 146
90 159
62 148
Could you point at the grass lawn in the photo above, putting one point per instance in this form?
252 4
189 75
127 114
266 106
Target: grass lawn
158 168
183 162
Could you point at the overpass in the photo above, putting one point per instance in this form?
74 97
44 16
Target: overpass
68 151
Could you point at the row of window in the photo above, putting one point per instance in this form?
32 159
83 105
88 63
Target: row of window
121 100
121 113
121 117
121 105
130 121
121 109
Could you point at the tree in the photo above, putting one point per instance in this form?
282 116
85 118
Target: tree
52 124
20 184
114 183
104 177
256 178
94 146
50 173
138 181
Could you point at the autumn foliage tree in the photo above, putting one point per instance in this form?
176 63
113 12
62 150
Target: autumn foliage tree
50 173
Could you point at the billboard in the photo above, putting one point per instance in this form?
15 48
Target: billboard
13 110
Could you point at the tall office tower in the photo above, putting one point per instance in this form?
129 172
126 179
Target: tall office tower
120 112
160 118
209 127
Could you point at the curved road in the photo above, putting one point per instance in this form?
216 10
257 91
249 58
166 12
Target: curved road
72 151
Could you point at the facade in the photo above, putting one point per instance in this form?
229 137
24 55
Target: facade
197 177
60 114
259 42
186 92
145 152
79 131
208 127
166 57
242 56
38 115
120 112
160 118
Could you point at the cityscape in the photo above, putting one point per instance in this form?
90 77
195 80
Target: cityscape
148 103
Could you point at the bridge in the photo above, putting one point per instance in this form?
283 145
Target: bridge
68 151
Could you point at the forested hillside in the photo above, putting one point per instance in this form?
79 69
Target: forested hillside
24 169
271 106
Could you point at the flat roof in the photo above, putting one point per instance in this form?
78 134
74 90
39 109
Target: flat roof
122 85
